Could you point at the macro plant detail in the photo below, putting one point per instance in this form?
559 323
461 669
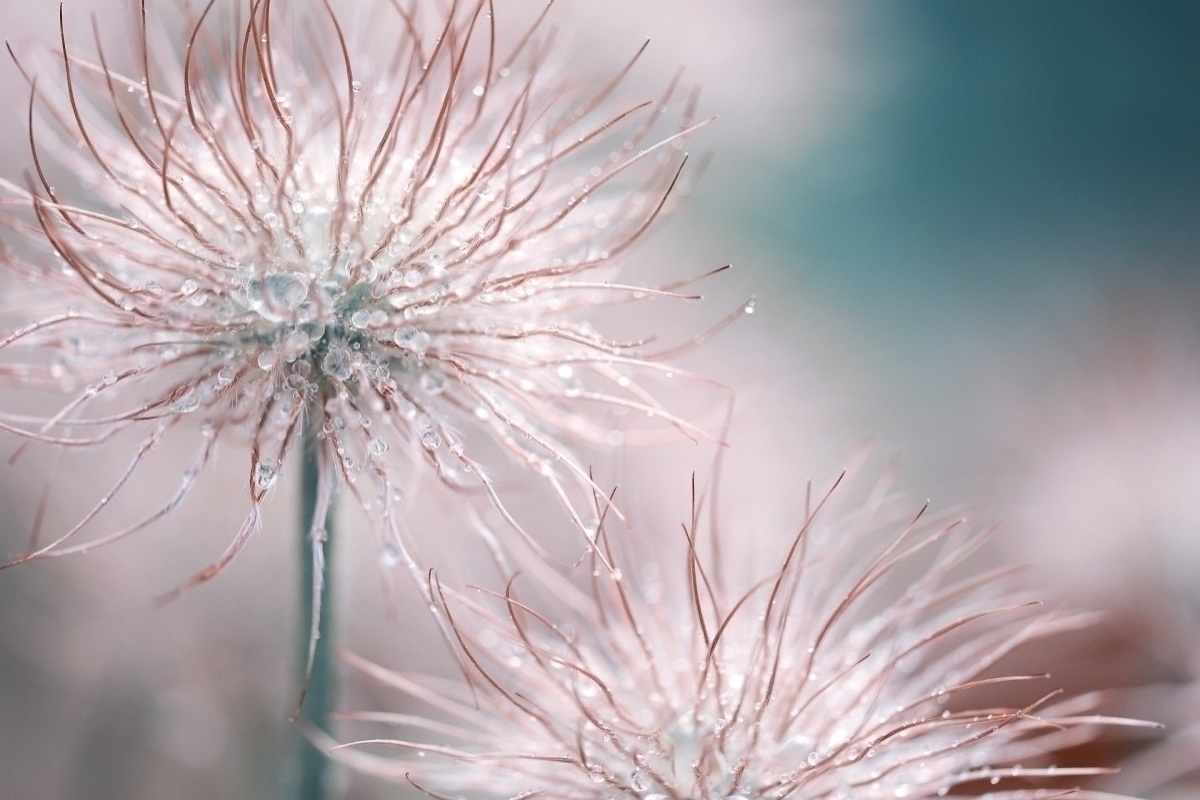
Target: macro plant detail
851 669
374 244
281 229
381 244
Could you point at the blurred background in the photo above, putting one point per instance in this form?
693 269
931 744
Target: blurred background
972 230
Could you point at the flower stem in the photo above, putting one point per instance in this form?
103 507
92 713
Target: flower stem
317 695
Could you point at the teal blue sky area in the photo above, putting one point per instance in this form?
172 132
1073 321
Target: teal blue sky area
995 150
996 175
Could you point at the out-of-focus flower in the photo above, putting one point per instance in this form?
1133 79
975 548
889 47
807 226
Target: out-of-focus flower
865 663
391 243
1109 454
1107 508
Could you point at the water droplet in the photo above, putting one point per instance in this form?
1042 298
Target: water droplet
188 287
433 382
431 440
378 446
356 86
268 359
574 387
289 289
360 318
264 475
749 308
412 339
639 780
186 404
337 363
391 555
276 296
294 346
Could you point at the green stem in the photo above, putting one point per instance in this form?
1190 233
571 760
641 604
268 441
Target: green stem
318 700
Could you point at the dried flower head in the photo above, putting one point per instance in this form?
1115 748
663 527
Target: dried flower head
389 238
860 666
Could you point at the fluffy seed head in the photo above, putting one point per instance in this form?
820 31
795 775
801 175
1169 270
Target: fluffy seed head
862 665
390 237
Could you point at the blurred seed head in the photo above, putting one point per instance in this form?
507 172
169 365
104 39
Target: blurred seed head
860 661
1107 457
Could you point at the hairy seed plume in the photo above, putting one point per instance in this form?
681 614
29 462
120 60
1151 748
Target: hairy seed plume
862 665
393 239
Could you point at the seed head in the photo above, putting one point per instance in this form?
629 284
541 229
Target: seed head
391 241
861 666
